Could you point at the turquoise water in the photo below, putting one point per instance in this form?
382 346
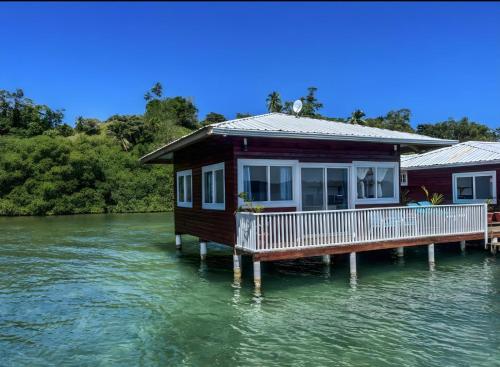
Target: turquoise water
110 290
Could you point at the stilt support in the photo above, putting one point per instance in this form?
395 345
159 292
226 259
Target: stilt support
327 259
203 250
494 245
352 262
256 274
430 248
178 241
400 251
462 246
237 267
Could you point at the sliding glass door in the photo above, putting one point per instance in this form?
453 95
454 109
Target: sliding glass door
324 188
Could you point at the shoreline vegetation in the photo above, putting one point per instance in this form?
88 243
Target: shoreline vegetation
48 167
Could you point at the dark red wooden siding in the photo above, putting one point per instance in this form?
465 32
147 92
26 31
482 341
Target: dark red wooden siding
211 225
219 226
439 180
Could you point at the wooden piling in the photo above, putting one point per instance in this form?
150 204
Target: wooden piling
352 263
203 250
257 275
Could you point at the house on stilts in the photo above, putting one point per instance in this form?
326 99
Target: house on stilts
325 187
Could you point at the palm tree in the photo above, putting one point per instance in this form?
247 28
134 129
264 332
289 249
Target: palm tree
357 117
274 102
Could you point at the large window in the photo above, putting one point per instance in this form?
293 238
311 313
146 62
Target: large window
474 187
213 187
185 189
324 187
376 182
270 182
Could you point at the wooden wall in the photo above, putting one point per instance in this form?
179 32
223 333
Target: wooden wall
440 180
211 225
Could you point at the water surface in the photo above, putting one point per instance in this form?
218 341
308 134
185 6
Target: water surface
111 290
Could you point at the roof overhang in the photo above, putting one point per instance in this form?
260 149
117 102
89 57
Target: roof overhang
163 154
451 165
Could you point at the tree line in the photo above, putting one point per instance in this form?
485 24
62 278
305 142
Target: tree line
49 167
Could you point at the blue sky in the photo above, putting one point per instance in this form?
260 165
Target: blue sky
95 59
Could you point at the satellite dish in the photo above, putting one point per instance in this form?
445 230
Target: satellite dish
297 106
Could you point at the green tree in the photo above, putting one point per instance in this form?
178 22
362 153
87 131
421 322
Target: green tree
398 120
213 118
241 115
21 116
155 92
89 126
130 130
462 130
274 103
311 105
175 110
357 117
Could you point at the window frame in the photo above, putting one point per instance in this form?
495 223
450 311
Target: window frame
184 173
213 168
455 176
325 166
270 163
375 165
403 178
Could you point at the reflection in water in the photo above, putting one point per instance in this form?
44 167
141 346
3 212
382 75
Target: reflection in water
111 290
353 281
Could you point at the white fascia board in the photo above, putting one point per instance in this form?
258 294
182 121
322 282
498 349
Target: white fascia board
293 135
451 165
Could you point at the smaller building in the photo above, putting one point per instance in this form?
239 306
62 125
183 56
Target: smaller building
464 173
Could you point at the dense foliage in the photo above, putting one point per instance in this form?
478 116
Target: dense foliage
87 174
48 167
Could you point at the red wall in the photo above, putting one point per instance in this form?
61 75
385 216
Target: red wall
440 180
219 226
211 225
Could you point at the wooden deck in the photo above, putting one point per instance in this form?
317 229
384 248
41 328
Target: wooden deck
280 236
360 247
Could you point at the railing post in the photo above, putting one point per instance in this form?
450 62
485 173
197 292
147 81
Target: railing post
485 225
178 241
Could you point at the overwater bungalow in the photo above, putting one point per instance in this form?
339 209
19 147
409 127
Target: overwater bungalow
468 172
324 187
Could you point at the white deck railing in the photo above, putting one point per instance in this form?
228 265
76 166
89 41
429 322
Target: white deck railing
263 232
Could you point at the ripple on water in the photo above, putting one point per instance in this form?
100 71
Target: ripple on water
111 290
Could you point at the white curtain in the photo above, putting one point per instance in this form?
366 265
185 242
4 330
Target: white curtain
382 175
285 183
362 172
247 186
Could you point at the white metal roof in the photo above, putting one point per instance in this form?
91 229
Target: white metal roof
280 125
464 154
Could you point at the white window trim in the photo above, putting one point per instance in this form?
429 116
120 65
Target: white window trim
185 204
351 191
493 174
396 178
268 163
212 168
404 178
